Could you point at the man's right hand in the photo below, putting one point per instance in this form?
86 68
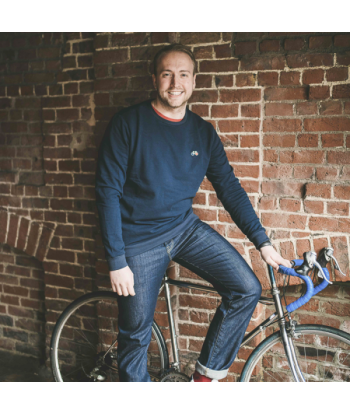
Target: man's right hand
122 281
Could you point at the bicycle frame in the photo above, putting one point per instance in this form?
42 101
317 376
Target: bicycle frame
278 316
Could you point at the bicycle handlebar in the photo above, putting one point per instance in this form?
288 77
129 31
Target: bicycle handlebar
303 267
309 288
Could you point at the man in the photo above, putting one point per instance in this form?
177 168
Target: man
152 160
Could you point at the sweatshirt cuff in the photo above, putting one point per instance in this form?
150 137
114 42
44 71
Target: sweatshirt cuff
116 263
259 238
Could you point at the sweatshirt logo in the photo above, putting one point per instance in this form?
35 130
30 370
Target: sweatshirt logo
194 153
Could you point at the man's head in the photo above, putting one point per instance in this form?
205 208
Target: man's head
174 75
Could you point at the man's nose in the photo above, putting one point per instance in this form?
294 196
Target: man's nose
175 81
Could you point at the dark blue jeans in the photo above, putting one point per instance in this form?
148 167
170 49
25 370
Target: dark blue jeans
205 252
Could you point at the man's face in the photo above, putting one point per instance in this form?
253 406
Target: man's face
175 80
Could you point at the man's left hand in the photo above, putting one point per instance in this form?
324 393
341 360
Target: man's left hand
273 258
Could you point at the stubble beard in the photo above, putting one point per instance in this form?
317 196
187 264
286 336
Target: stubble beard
166 103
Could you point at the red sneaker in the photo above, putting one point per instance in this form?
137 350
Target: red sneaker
197 377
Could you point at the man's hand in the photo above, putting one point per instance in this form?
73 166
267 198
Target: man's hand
122 281
273 258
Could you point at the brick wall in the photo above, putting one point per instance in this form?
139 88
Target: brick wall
279 101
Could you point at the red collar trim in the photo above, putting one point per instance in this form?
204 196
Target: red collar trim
166 118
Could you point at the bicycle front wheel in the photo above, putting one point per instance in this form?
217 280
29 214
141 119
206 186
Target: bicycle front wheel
84 342
322 354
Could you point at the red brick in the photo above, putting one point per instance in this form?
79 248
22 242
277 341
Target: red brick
278 125
68 114
327 124
130 69
200 302
306 108
282 188
245 48
223 51
341 91
204 81
110 56
330 108
318 190
337 309
101 41
326 173
320 42
290 78
280 171
201 110
262 63
278 140
302 157
239 126
222 65
249 141
313 76
312 206
204 96
342 192
347 107
283 220
308 140
278 109
224 111
224 80
55 102
309 60
338 208
329 224
294 44
285 93
337 74
245 79
343 59
269 45
342 41
319 92
240 95
338 157
250 111
111 84
332 140
199 37
267 78
242 155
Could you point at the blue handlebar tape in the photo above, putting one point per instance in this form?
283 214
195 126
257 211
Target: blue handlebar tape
310 290
324 283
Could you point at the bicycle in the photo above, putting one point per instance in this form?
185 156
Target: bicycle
84 340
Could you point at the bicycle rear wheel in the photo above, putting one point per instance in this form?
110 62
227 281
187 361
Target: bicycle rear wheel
84 342
323 355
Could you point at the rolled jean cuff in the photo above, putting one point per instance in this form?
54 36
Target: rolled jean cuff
210 373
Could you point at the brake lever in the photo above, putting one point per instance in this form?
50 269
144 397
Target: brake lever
321 273
336 265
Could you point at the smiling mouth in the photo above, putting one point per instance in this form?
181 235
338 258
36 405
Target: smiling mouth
175 93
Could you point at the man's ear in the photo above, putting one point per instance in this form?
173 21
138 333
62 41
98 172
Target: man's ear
194 80
154 79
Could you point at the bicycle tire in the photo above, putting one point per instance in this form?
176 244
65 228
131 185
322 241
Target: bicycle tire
318 359
67 347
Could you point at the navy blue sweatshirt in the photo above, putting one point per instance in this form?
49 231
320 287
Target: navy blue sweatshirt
149 170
